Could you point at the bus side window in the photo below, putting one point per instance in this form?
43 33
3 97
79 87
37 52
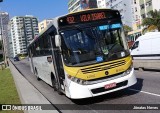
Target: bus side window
47 45
37 49
41 45
34 50
136 44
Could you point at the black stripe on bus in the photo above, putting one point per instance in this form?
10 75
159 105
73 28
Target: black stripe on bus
147 55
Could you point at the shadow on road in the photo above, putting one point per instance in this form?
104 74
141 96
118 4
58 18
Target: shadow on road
138 85
112 96
152 70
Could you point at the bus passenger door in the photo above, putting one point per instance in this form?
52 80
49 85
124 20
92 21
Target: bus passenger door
57 62
59 66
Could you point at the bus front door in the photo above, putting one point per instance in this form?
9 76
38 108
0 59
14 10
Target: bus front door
60 69
57 62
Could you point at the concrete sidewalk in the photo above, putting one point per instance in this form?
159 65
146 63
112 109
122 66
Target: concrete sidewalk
28 94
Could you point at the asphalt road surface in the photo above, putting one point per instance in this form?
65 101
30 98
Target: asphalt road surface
146 91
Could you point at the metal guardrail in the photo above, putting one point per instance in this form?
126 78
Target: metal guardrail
147 64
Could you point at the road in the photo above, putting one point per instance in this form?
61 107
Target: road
146 91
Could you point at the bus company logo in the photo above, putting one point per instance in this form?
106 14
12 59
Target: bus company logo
6 107
107 73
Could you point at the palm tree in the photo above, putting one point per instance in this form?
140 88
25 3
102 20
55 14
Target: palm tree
152 22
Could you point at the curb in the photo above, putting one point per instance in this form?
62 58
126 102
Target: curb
28 94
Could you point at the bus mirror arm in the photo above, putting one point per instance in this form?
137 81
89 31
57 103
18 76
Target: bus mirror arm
58 40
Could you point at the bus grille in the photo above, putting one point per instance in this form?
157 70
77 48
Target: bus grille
103 67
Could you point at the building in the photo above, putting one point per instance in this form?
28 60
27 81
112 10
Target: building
4 19
124 7
23 30
136 15
148 5
141 9
76 5
136 26
10 46
42 25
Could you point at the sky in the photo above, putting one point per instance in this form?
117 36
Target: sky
42 9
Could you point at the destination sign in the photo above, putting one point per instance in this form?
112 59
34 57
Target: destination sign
87 16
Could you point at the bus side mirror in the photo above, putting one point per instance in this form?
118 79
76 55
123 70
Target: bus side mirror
58 41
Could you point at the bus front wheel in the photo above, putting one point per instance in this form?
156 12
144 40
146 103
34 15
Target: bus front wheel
55 84
36 73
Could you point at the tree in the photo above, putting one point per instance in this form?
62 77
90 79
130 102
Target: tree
152 22
127 29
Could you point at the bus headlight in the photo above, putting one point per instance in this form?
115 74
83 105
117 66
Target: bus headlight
128 71
77 80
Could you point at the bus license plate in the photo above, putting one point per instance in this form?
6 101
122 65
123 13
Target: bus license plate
108 86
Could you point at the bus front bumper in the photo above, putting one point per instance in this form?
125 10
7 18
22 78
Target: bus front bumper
78 91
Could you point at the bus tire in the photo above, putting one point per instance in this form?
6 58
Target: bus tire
59 92
36 73
54 82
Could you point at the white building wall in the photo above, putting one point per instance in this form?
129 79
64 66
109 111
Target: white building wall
4 19
124 7
23 30
75 6
127 12
136 10
101 4
156 4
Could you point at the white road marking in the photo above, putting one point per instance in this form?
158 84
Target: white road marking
146 92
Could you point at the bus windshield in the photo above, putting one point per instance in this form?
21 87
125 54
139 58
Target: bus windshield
94 44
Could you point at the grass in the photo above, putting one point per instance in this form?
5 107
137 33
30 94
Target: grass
8 91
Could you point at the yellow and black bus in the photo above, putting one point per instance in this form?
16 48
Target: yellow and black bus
83 54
